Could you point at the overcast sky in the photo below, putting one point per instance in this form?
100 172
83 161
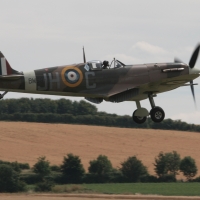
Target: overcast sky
43 33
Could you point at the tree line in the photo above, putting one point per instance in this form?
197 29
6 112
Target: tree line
44 176
73 112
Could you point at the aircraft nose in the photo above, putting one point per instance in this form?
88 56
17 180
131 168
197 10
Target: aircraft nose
194 71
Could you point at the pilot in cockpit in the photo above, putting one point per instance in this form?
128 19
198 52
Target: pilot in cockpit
105 64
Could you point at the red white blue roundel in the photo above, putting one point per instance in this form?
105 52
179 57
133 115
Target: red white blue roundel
72 76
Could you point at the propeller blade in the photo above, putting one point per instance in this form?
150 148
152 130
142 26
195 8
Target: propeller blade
194 56
192 89
177 60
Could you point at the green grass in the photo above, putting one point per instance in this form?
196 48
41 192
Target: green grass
168 189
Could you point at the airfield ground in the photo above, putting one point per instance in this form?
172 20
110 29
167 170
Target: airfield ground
88 197
25 142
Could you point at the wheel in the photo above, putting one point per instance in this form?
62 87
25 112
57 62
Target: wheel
157 114
137 119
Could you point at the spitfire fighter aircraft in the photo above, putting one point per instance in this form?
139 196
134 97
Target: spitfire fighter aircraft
98 81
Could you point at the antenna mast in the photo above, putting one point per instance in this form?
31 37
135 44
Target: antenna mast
84 59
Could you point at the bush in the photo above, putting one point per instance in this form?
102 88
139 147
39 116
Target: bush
149 179
167 178
55 168
167 164
188 167
35 178
133 169
42 167
30 178
197 179
116 176
72 169
9 180
14 165
100 166
111 177
24 165
44 186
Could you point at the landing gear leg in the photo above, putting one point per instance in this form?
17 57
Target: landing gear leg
2 95
140 115
157 113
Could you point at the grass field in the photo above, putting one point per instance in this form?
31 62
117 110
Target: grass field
167 189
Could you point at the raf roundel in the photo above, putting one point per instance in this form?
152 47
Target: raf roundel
72 76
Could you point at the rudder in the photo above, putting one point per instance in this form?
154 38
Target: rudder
5 68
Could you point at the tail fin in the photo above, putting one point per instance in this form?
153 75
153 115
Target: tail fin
5 68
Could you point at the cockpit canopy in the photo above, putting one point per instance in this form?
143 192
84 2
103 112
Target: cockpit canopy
95 65
98 65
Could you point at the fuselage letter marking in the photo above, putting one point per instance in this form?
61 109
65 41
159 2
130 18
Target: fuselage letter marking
88 86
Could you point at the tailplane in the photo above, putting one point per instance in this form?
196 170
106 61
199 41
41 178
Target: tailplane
5 68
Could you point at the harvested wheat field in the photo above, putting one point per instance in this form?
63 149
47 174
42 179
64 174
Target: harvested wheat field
25 142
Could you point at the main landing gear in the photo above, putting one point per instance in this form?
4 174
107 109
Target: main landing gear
140 115
2 95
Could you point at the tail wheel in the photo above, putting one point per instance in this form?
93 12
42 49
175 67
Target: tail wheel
137 119
157 114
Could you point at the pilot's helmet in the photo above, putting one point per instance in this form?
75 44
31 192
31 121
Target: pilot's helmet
105 63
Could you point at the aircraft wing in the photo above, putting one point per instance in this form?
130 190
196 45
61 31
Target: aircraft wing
169 84
139 92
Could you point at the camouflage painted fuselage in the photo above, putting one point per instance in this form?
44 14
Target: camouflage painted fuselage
130 82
